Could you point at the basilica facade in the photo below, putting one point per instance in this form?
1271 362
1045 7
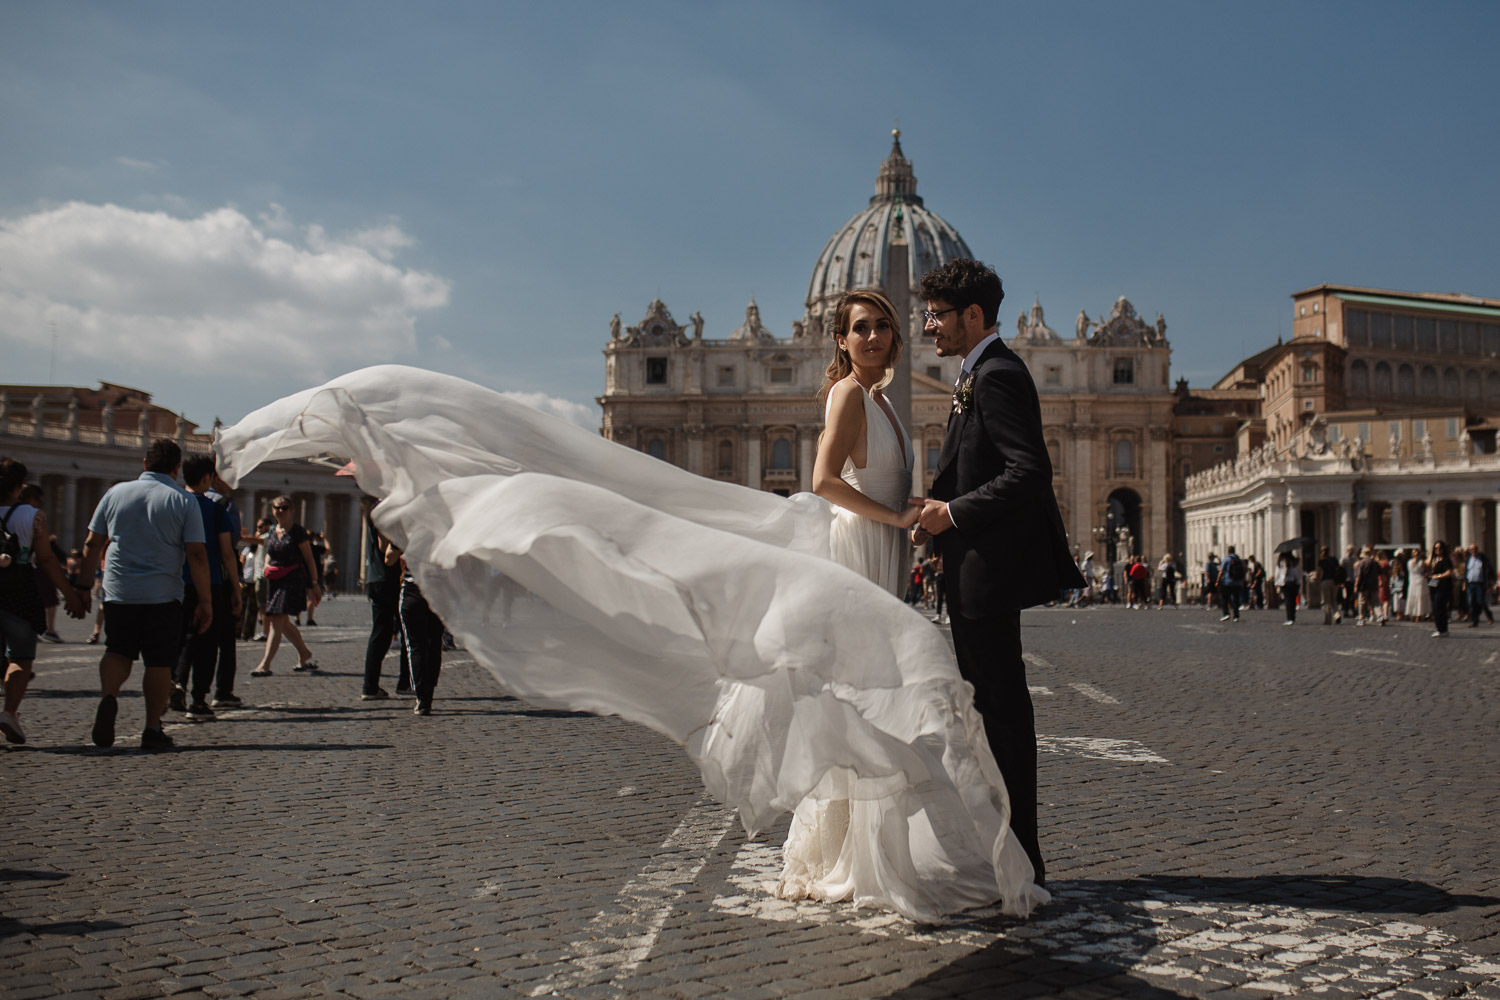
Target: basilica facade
742 407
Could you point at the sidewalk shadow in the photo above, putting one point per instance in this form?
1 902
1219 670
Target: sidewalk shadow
1096 933
87 751
11 927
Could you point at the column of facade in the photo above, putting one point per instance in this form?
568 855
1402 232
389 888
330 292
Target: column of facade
1293 514
317 512
352 557
695 447
68 524
1429 523
1083 485
1275 521
1468 520
754 475
1161 488
807 440
1346 526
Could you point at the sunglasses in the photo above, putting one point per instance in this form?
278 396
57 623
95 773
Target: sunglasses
281 508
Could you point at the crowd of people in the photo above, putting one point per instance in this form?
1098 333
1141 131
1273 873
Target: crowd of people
177 582
1369 586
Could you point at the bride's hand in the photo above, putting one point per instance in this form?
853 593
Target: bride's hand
908 517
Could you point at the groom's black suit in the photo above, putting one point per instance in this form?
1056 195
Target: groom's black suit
1007 550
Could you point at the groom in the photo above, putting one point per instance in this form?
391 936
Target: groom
995 521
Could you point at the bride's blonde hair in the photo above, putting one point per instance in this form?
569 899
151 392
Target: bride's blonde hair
840 367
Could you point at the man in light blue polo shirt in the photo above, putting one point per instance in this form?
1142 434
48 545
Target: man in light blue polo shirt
151 525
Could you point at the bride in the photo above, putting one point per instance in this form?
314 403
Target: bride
592 577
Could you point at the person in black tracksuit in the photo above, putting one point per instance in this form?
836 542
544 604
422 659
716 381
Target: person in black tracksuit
422 638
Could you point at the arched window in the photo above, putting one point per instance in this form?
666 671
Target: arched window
1124 457
1450 383
781 454
1471 386
726 458
1429 384
657 448
1406 381
1124 371
1359 377
1382 378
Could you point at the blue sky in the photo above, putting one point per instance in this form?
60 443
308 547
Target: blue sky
222 203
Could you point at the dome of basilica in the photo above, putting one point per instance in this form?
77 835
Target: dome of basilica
858 254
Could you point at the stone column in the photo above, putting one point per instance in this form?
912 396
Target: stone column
695 448
1346 526
317 512
1083 485
1159 486
67 527
1429 523
352 560
36 415
754 475
1468 522
1293 514
1276 524
807 440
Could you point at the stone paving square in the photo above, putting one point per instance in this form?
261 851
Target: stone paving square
1238 810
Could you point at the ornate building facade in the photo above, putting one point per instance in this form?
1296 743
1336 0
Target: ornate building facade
743 407
78 442
1377 426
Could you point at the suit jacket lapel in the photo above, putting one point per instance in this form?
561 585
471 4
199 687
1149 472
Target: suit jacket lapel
950 442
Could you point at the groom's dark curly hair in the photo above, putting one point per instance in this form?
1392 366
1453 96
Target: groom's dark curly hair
963 282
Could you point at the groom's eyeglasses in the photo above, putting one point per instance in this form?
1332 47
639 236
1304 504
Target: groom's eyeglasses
928 316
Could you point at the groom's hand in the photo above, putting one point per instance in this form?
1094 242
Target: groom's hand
934 517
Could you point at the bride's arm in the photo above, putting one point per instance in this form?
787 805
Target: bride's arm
846 428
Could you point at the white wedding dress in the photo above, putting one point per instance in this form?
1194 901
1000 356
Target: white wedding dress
588 576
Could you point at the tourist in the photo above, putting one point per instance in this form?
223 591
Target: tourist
1418 594
292 577
200 650
1208 581
232 596
25 553
1366 587
383 588
1166 572
1329 582
154 526
1231 582
1289 582
1479 576
1439 570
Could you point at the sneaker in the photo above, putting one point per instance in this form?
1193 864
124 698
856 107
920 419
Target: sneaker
1440 635
259 637
104 721
155 739
379 694
51 636
11 727
200 710
311 623
93 638
422 707
1288 622
304 667
403 691
1224 619
178 701
225 701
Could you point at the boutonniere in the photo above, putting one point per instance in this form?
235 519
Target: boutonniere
963 396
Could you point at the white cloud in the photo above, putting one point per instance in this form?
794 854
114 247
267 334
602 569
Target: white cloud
144 165
585 416
215 293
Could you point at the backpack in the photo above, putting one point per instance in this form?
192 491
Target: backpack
18 590
1232 570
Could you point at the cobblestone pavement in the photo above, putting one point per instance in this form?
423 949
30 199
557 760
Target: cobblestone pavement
1229 811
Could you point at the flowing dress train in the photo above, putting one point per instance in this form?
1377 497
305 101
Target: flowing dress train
588 576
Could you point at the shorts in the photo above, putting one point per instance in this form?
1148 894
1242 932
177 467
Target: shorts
17 638
151 633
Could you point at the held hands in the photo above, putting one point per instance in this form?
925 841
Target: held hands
933 517
76 603
907 519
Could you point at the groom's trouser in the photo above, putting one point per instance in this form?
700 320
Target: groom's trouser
989 657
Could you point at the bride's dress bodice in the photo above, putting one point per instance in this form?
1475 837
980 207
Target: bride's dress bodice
876 551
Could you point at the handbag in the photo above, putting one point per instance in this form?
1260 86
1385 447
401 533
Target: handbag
275 572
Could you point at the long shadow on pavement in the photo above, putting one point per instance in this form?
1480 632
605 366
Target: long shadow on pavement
1096 932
